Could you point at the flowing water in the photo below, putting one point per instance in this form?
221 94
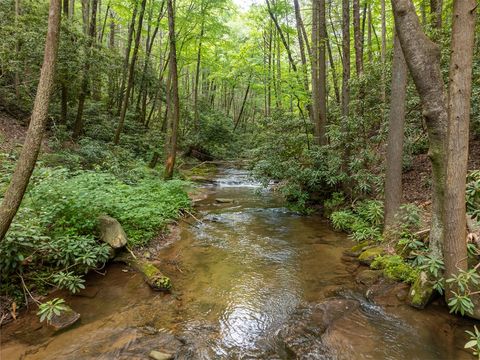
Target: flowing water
252 280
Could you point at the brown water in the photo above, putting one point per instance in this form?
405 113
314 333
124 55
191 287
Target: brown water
250 282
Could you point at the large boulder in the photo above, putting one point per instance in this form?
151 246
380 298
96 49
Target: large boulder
112 232
421 291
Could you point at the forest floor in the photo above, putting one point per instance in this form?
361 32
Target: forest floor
417 180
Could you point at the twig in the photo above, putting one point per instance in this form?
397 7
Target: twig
131 252
28 292
193 216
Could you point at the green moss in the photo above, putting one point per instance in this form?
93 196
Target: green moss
421 291
360 246
371 254
394 267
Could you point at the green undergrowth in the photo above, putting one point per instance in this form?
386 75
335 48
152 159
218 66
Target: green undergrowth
53 240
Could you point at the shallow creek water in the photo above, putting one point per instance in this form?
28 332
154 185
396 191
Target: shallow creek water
250 280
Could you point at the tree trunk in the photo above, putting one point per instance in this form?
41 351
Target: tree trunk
459 92
17 51
346 58
175 109
436 10
78 127
423 60
383 52
393 174
357 35
196 113
126 61
131 74
239 117
31 147
319 104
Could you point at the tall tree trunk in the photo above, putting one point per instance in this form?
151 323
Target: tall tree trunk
111 41
459 92
131 74
78 127
63 87
383 52
31 147
71 9
196 113
436 10
319 94
334 73
423 60
393 174
17 51
239 117
346 57
126 61
357 35
175 107
85 16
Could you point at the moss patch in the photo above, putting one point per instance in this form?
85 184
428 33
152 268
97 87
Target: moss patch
369 255
394 267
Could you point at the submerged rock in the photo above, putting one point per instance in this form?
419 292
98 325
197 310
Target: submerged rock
153 276
112 232
224 201
368 277
367 256
158 355
66 319
421 291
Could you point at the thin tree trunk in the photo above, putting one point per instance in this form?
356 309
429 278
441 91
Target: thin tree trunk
334 73
393 173
239 117
346 57
17 51
436 10
175 113
131 74
423 60
31 147
78 127
319 94
383 52
459 92
126 61
196 113
63 87
357 35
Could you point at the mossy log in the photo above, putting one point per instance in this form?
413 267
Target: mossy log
152 275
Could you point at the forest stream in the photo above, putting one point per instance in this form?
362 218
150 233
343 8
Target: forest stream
252 280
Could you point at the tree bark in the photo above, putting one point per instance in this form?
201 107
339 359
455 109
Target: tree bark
239 117
423 60
175 109
357 35
78 127
319 79
383 52
436 10
131 74
346 57
31 147
17 51
196 113
459 92
393 174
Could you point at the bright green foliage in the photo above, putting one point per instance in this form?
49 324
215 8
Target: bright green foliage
68 280
464 283
50 308
395 267
362 222
474 341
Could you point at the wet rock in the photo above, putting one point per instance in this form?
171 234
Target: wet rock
112 232
368 277
421 291
158 355
367 256
66 319
224 201
387 293
361 246
89 292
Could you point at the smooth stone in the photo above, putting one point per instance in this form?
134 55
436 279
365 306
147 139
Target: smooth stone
224 201
112 232
66 319
158 355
